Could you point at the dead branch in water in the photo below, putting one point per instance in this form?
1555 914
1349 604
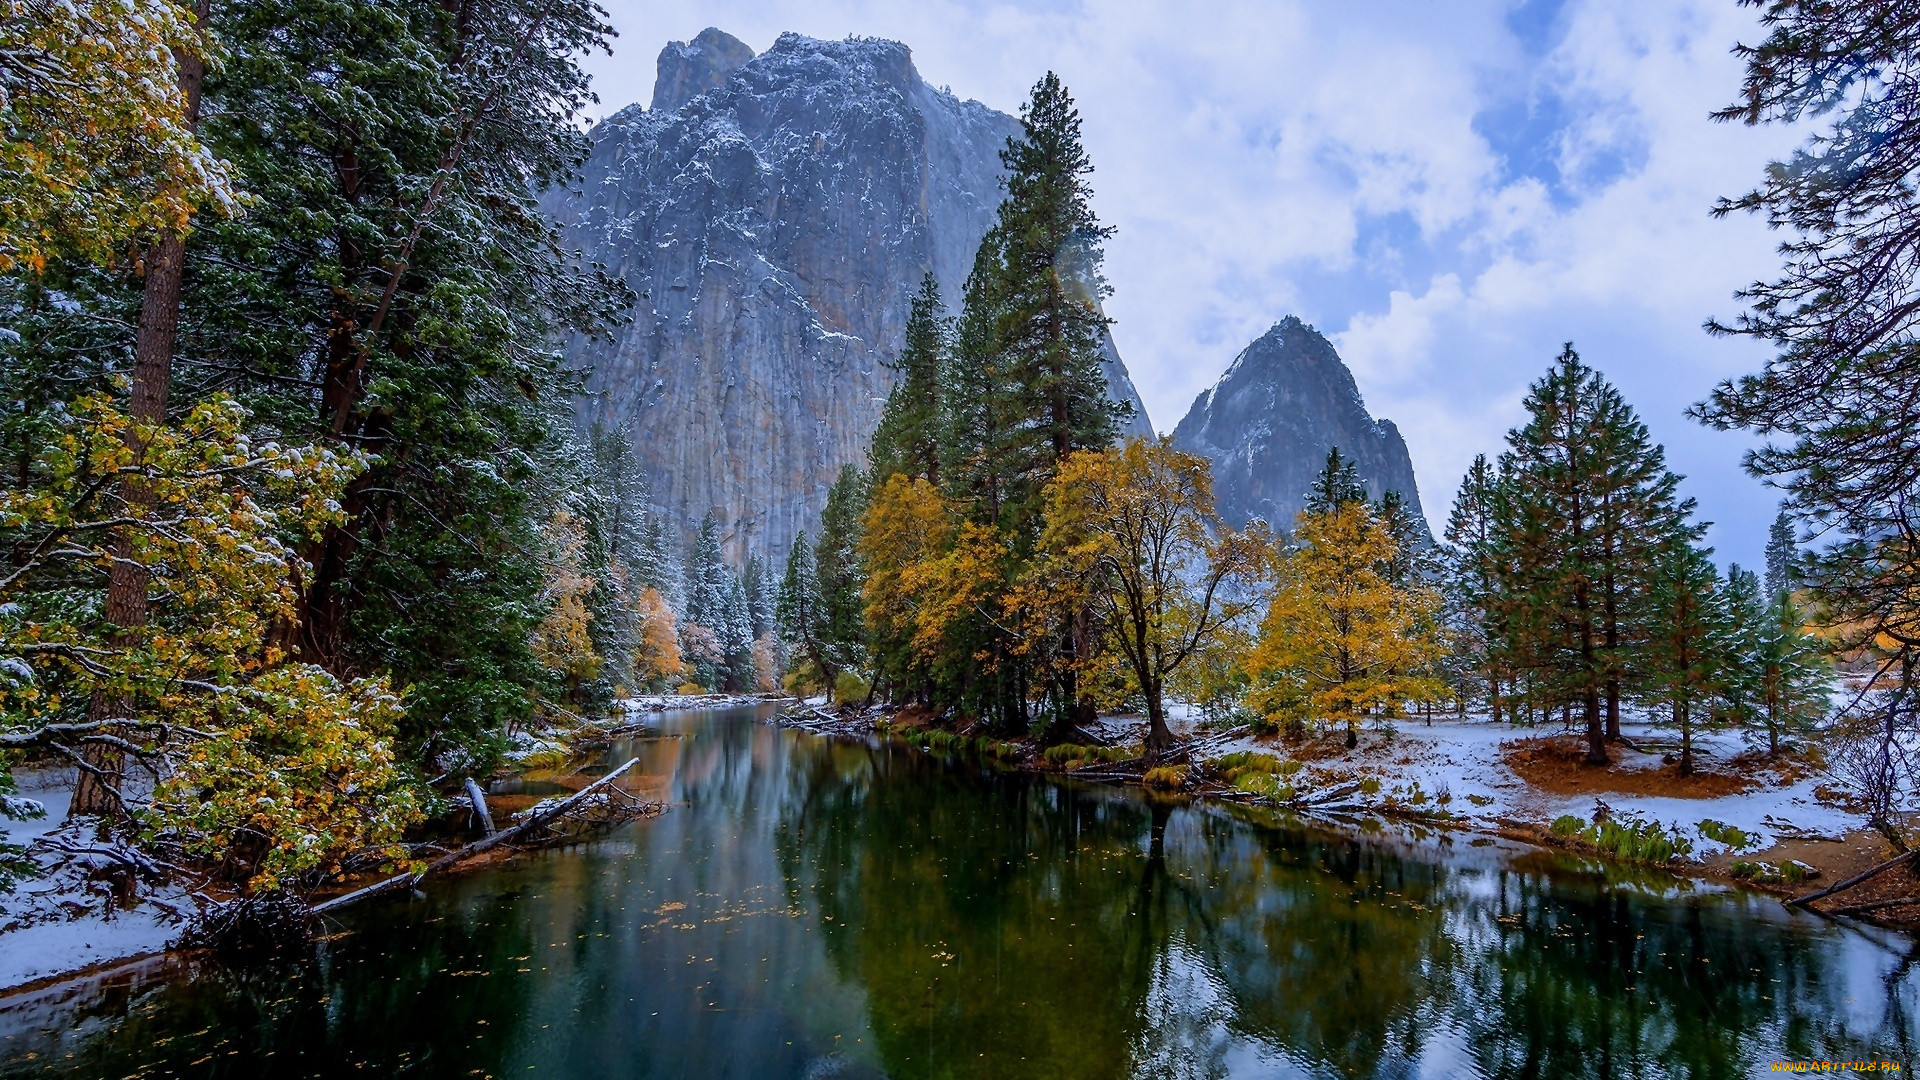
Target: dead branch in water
1799 901
538 819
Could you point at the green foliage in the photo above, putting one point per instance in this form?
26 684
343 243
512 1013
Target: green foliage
1722 833
850 689
1630 839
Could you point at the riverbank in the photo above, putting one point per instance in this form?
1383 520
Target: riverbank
1780 826
89 911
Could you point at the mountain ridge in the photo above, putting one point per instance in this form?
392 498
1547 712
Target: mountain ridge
774 223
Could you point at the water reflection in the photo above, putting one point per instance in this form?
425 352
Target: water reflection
827 909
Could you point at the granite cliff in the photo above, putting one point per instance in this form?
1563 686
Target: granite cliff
1269 421
774 213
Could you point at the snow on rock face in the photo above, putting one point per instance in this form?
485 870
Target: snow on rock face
688 69
774 225
1268 423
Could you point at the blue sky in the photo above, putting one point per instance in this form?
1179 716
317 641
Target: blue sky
1449 189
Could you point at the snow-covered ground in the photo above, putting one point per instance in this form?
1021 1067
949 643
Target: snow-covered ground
65 922
1465 759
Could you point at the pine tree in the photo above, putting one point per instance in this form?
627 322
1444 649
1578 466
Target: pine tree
760 588
907 440
1790 672
1047 320
1591 508
797 609
1836 399
1473 582
736 638
842 627
1783 549
705 632
1336 485
1687 640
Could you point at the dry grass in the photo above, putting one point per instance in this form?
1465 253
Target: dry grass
1557 764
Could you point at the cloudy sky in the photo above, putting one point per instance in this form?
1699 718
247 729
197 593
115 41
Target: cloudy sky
1449 189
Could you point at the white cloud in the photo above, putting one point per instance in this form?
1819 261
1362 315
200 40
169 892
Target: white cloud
1348 163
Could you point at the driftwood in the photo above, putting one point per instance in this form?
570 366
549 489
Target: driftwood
479 799
1856 879
540 818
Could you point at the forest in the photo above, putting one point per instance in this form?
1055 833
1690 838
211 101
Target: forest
301 528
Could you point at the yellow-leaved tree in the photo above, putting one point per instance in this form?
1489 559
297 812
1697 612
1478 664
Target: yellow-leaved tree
656 651
1133 533
907 534
97 147
267 770
563 641
1340 640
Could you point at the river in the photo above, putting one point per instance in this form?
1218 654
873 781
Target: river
816 908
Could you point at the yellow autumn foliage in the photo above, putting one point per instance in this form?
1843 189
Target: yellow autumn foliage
95 144
272 770
1340 641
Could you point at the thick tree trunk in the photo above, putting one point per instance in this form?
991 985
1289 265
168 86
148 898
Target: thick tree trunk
97 792
1159 736
1596 729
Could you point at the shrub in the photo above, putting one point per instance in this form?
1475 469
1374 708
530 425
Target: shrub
1064 754
1265 785
849 688
690 689
1166 777
1626 838
946 740
1720 832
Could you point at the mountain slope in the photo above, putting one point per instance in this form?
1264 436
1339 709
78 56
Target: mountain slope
774 214
1269 421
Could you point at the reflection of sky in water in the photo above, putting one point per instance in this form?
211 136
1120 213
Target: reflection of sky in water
813 909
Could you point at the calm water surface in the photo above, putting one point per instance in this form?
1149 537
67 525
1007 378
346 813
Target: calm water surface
818 909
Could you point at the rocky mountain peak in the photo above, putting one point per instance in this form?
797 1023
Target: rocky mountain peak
687 69
774 214
1268 423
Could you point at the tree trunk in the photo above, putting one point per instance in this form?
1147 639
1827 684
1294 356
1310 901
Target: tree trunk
1596 729
1159 736
1681 718
97 792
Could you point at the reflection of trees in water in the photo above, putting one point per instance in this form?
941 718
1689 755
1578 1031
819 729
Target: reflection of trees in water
1079 933
977 924
993 926
1349 954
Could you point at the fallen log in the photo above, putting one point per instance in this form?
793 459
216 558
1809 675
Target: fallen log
1800 901
538 819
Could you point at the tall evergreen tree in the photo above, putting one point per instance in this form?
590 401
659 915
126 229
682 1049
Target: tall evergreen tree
760 588
1783 549
1473 575
842 625
709 589
1047 321
1336 484
907 440
797 609
1836 400
1687 640
1591 507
